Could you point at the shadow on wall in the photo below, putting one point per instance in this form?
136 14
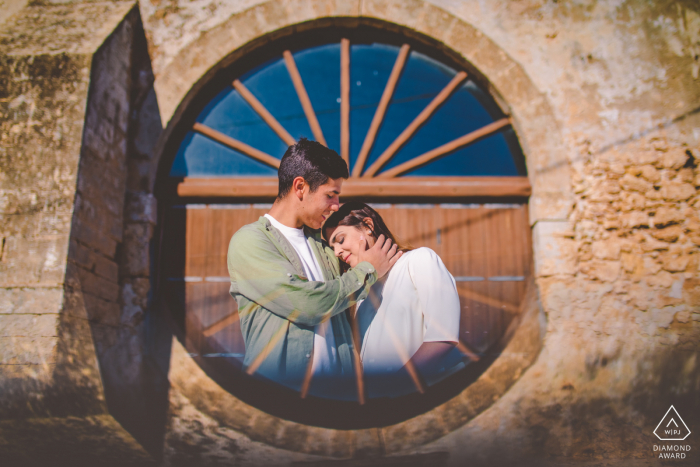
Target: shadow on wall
113 234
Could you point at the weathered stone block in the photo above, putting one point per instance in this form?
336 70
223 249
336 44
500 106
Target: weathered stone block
605 271
546 206
141 207
631 262
631 183
17 325
674 158
650 265
632 201
650 173
101 311
93 237
607 249
134 299
667 215
676 191
106 268
89 282
31 301
136 261
93 209
675 263
635 219
39 375
650 244
554 250
33 260
668 234
661 279
149 128
28 350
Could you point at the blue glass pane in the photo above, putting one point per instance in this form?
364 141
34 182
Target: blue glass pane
199 156
468 109
273 87
422 79
370 67
319 68
462 113
231 115
489 156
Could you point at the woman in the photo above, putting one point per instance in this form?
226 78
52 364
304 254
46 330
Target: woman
410 321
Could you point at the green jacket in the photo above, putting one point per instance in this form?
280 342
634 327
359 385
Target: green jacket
279 307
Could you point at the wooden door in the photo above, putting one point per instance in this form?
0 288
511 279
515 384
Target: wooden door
486 247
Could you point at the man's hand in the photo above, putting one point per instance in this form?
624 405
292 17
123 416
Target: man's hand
382 255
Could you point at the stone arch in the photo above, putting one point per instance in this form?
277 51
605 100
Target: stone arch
178 84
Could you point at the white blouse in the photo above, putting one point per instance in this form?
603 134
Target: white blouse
415 302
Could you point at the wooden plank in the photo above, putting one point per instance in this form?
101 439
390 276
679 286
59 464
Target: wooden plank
303 97
415 124
376 188
196 248
445 148
217 239
263 112
237 145
194 298
345 100
381 110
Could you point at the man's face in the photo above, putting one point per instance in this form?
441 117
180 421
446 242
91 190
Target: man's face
317 206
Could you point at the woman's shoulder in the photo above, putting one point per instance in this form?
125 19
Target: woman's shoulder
420 255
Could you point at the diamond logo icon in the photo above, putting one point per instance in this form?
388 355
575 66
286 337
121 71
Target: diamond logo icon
672 427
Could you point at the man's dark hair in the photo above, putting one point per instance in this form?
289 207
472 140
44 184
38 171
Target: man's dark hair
312 161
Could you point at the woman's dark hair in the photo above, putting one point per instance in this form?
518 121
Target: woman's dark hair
312 161
354 213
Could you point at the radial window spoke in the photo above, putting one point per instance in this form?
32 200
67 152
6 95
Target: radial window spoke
445 149
381 110
345 100
303 97
263 112
416 123
237 145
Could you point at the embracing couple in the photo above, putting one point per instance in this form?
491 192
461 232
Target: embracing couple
310 272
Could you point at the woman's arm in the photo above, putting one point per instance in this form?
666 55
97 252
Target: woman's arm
439 302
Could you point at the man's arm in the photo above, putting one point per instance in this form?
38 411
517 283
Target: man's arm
261 274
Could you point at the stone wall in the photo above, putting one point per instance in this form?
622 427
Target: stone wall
67 100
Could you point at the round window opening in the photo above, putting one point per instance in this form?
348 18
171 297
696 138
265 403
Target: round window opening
427 147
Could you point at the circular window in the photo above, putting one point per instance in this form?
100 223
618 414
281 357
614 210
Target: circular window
426 145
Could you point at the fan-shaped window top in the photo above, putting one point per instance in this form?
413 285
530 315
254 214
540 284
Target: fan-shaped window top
389 111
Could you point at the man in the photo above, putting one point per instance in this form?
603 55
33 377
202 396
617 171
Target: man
287 281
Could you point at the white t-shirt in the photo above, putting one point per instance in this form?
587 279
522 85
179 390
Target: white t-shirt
325 360
415 302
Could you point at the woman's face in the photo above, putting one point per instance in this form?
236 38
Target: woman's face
346 242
